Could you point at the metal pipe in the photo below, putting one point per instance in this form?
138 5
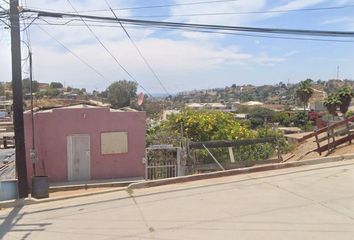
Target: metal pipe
32 117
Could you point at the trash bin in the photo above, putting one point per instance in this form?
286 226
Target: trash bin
40 187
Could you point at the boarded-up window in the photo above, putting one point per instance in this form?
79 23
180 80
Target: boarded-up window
114 142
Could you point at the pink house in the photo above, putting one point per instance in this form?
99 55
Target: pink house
83 142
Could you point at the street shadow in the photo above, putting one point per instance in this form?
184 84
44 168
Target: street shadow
10 224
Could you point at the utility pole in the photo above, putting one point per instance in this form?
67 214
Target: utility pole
18 99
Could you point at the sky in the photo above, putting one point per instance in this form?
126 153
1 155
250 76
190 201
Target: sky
186 60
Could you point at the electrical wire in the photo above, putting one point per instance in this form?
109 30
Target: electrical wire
303 32
151 6
217 13
165 5
29 24
245 13
26 29
74 54
108 51
205 31
5 10
5 23
138 50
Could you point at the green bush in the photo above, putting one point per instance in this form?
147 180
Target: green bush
216 125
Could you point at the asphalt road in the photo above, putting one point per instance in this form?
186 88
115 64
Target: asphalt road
7 171
4 154
312 202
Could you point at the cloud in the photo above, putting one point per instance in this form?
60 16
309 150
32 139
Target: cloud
298 4
291 53
329 59
346 22
238 6
168 58
264 59
181 59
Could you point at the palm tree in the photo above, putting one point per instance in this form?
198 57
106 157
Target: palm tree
332 102
345 95
304 92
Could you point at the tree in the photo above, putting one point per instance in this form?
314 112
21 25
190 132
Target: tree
153 109
121 93
283 118
207 125
259 116
56 85
345 95
2 89
304 92
52 92
26 86
332 102
103 94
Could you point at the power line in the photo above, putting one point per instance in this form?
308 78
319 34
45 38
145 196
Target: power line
74 54
165 5
5 10
138 50
205 31
153 6
5 23
214 13
178 25
108 51
26 29
245 13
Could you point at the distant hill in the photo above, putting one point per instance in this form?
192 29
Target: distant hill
279 93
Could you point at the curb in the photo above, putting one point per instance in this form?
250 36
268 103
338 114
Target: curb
315 161
31 201
53 189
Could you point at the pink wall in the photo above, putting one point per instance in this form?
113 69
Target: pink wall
52 129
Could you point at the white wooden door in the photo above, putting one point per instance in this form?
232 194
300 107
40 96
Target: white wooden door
79 157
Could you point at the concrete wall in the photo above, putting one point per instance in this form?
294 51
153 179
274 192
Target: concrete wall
53 127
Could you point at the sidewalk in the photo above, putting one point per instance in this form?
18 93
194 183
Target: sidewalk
76 190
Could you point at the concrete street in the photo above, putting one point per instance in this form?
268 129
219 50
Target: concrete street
310 202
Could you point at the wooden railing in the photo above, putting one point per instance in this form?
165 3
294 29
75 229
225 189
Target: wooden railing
325 129
333 131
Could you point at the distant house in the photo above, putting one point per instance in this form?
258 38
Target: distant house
316 101
195 105
82 142
215 106
274 107
70 95
241 116
251 104
212 106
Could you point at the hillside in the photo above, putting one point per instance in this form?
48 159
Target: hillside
280 93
